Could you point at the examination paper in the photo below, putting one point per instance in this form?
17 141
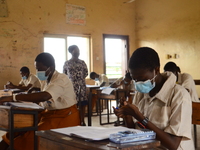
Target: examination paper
91 133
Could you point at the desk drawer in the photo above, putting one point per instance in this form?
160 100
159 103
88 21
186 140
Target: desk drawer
20 120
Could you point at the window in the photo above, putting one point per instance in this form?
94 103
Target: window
57 45
115 55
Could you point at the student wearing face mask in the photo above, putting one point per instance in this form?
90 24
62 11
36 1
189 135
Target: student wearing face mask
27 82
100 79
57 97
160 104
183 79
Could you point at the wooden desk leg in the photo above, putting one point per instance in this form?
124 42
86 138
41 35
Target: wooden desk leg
195 135
90 109
36 128
11 133
108 112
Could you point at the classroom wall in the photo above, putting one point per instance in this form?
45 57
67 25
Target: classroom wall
21 33
171 27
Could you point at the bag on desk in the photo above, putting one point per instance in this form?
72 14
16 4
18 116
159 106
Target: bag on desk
132 135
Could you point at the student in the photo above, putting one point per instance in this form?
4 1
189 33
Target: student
125 83
77 71
184 79
28 81
100 79
57 97
160 104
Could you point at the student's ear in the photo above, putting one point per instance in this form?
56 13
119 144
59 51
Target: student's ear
157 70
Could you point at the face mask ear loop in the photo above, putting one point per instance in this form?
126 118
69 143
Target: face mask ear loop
46 72
153 79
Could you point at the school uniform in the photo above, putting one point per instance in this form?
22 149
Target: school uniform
170 110
187 82
61 110
102 78
32 79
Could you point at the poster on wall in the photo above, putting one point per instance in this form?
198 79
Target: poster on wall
3 8
75 14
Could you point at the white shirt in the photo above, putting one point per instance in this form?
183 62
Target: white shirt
61 90
170 110
187 82
102 78
32 79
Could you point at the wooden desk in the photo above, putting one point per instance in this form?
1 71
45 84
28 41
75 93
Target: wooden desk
90 88
17 120
115 95
50 140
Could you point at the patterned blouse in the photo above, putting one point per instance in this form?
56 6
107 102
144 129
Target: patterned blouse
77 72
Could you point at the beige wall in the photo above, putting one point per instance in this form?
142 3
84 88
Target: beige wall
171 27
21 33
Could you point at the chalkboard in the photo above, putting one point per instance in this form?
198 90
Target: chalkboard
75 14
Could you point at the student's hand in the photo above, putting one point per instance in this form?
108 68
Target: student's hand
130 109
5 99
116 111
10 85
122 102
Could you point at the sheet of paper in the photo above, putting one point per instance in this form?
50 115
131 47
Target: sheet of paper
92 86
107 90
24 105
90 133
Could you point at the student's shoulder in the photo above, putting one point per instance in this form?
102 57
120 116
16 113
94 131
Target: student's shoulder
181 93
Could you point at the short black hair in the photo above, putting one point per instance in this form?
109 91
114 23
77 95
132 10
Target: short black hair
25 69
46 59
170 66
144 58
92 74
128 75
71 48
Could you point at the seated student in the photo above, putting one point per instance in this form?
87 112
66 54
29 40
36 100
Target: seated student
184 79
125 83
100 79
160 104
28 81
58 98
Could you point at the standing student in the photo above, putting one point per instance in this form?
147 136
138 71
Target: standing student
183 79
28 81
160 104
100 79
77 71
57 97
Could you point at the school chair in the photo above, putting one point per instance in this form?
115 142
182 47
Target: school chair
195 119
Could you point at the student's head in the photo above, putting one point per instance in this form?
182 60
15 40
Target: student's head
74 50
172 67
93 75
24 71
127 78
144 65
45 63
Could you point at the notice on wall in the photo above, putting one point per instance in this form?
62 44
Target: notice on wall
3 8
75 14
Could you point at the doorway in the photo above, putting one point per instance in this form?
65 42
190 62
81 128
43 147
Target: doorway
116 54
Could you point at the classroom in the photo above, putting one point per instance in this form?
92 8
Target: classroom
171 27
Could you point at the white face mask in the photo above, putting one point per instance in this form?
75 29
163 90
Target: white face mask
41 75
144 86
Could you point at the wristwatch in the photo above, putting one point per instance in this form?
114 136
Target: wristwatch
145 121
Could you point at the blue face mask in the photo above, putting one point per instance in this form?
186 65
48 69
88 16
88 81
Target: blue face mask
24 77
144 87
41 75
96 79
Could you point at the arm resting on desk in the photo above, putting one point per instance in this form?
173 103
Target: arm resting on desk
32 97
